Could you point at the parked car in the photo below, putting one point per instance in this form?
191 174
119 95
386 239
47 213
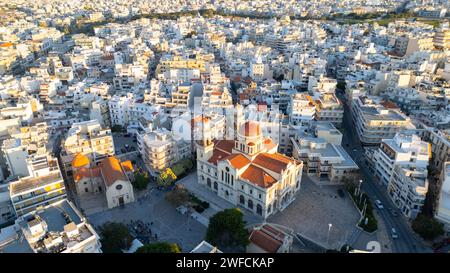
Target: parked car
394 233
393 212
379 204
126 135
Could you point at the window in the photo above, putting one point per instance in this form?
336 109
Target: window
259 209
215 185
242 199
119 187
208 182
250 204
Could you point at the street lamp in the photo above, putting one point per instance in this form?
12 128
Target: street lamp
359 190
328 236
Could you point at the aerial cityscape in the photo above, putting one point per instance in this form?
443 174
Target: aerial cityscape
219 126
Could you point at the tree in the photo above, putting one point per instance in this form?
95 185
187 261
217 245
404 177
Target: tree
178 196
141 180
427 227
159 247
115 237
187 163
227 229
116 129
166 178
178 169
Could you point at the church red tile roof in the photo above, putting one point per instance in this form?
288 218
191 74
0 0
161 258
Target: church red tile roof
217 156
84 172
111 170
238 160
258 176
275 162
224 145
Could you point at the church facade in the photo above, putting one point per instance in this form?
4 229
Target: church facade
248 171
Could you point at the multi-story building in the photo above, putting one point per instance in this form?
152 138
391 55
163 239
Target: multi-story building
248 171
162 149
44 185
329 108
408 188
407 151
443 207
323 157
441 38
55 228
376 119
302 109
89 139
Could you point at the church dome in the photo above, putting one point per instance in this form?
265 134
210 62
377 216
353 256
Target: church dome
251 129
80 160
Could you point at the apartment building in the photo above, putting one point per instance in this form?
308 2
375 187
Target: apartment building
443 207
302 109
44 185
408 188
161 149
55 228
441 38
323 156
407 151
329 108
248 171
89 139
376 119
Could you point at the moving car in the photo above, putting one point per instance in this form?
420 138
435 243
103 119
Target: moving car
394 233
378 204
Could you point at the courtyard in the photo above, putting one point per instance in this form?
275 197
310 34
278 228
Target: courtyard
314 208
163 219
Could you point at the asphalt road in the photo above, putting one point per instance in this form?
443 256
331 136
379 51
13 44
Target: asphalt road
407 242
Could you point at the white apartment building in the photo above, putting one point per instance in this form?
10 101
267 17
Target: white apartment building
329 108
126 111
443 207
55 228
408 188
407 151
161 149
44 185
15 154
323 157
128 76
302 109
376 119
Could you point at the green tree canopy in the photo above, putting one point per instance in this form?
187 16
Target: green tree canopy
115 237
227 229
141 180
159 247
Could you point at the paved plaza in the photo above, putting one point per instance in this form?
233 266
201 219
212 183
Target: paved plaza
313 209
168 224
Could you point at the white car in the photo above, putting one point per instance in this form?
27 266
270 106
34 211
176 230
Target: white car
378 204
394 233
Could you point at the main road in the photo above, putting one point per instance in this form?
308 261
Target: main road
407 241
